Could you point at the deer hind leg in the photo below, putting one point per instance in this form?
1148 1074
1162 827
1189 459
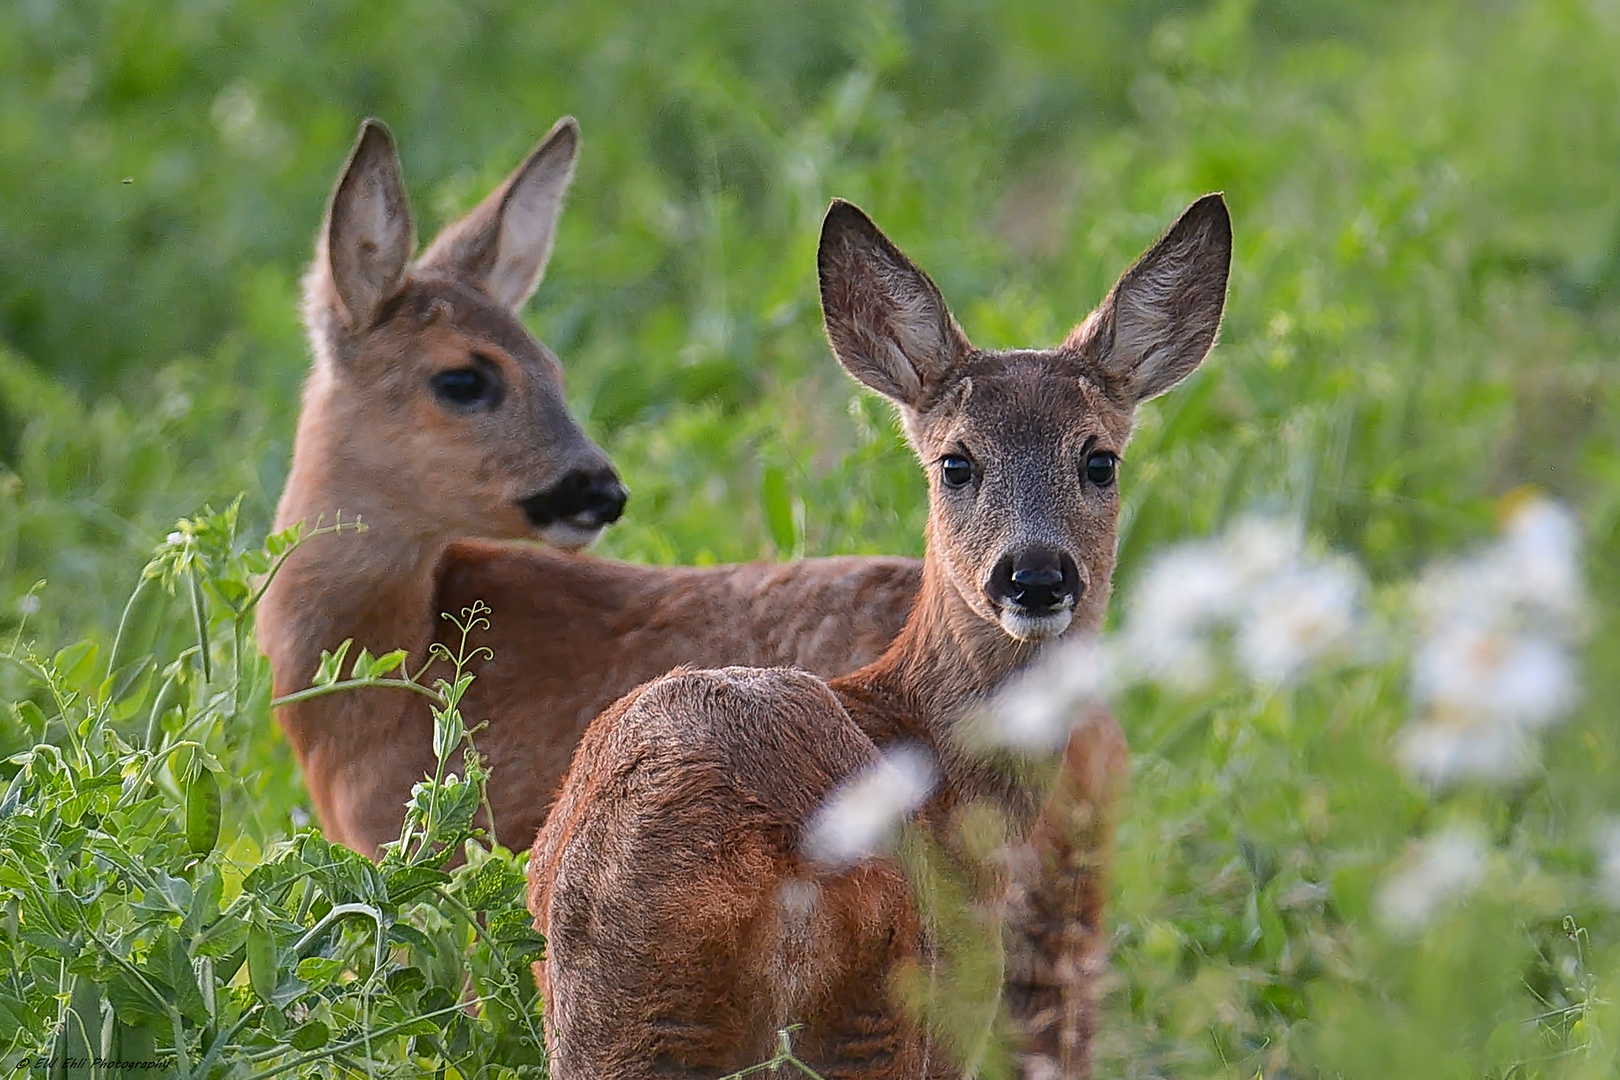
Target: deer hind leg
754 948
860 926
647 973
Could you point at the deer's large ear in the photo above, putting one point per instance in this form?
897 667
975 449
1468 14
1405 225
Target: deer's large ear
503 244
368 235
886 320
1160 319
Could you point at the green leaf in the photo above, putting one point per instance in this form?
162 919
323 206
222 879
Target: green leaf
279 543
235 593
447 732
74 663
406 982
123 680
343 875
319 971
326 673
204 910
202 812
15 1015
457 805
33 717
512 924
171 964
492 885
270 880
403 933
387 663
515 932
133 1002
310 1036
166 895
407 881
168 697
784 515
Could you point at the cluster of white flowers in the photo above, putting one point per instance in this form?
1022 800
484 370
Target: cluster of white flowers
1493 663
1255 586
1439 870
1282 608
860 817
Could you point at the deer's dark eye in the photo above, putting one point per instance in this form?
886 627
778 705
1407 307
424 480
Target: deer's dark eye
957 470
464 386
1101 468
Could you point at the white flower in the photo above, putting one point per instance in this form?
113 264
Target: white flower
1440 869
1541 547
28 604
1302 616
1180 596
1284 609
1039 709
1511 677
1530 577
1442 752
1494 659
859 818
1259 549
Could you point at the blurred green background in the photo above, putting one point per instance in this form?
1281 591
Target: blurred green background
1424 316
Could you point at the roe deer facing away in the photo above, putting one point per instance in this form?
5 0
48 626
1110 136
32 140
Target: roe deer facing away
686 925
433 415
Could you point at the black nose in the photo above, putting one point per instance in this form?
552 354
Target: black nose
588 497
1038 580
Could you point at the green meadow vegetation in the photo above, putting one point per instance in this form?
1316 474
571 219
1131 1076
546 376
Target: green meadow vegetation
1422 336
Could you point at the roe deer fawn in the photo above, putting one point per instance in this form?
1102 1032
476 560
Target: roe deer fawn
433 415
685 922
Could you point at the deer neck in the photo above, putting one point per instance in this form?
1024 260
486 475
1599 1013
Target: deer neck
375 586
945 661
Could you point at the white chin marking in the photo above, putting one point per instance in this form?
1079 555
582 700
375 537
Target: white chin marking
1036 627
570 537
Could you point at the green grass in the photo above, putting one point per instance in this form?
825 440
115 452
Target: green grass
1424 317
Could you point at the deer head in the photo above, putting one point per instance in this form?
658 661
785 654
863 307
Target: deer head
1023 447
431 406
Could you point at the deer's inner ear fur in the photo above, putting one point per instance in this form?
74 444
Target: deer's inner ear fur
887 322
503 244
369 236
1160 320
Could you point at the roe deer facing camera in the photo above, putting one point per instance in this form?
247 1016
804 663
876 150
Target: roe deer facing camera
434 416
686 924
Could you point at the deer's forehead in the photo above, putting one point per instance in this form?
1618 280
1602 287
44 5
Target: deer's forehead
445 313
1032 400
